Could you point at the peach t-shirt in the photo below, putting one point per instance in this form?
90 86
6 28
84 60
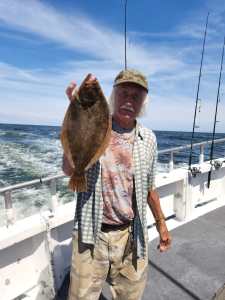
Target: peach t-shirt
117 177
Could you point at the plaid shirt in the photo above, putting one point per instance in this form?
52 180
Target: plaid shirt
89 205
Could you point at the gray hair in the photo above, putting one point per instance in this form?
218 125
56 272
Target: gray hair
142 112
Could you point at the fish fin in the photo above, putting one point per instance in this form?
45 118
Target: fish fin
78 182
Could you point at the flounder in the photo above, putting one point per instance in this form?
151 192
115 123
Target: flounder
86 130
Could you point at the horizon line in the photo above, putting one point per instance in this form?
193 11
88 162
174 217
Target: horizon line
48 125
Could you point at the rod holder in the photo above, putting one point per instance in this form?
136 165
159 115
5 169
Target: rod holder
9 211
201 155
171 164
54 196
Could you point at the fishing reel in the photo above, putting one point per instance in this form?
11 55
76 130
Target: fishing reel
195 171
218 164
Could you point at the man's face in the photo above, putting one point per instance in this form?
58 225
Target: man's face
129 98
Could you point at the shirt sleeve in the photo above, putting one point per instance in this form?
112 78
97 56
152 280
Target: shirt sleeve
153 158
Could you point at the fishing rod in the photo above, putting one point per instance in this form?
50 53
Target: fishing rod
125 34
197 97
215 118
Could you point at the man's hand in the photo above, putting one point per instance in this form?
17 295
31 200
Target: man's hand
70 89
165 238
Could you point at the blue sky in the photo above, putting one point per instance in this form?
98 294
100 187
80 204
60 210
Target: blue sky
46 44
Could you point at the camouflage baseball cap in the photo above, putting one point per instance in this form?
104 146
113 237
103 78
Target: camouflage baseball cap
133 76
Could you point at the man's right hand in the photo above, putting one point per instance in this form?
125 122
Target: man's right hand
70 89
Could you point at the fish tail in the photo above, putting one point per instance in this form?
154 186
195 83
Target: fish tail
78 183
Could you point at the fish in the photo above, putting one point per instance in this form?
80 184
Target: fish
86 130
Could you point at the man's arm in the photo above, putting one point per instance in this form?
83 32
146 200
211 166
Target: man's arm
154 204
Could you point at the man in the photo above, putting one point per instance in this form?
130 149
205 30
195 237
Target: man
110 239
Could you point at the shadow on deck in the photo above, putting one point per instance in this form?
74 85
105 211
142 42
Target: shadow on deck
194 267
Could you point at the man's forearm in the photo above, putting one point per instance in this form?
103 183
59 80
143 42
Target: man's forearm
154 204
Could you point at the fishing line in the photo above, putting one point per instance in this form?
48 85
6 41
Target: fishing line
197 107
215 118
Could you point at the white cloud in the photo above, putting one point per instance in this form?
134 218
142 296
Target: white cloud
37 95
79 33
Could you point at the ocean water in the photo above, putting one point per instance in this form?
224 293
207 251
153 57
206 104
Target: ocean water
31 151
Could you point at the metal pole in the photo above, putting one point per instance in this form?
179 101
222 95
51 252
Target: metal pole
171 162
54 195
10 217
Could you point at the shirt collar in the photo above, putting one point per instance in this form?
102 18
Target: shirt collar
138 130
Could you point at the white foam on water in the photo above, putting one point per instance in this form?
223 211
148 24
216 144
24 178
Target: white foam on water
41 157
28 201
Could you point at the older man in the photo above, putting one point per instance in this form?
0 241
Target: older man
110 239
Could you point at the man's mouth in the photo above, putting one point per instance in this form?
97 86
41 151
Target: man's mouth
127 108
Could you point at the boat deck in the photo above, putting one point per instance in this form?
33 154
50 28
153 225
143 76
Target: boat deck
194 267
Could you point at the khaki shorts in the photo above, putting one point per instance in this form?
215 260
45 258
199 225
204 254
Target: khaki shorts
91 266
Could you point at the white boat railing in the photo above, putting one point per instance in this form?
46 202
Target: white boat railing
51 180
202 145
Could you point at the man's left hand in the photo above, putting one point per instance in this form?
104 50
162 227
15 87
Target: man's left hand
165 238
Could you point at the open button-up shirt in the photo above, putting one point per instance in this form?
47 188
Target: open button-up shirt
89 205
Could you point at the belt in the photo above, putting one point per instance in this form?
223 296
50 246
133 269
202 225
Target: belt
112 227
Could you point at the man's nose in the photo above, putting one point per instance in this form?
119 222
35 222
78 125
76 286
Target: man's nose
128 102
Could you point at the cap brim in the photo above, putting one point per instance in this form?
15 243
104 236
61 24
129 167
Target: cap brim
130 81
